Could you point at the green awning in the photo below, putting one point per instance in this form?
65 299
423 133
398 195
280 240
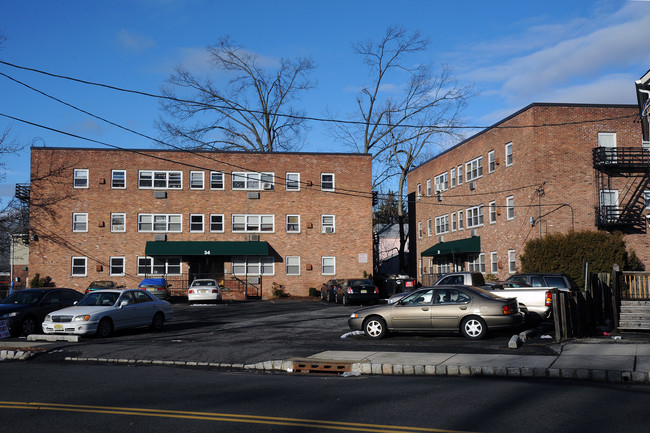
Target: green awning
469 245
206 248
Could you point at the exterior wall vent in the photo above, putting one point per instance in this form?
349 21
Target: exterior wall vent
253 280
160 194
472 232
472 185
160 237
253 238
254 195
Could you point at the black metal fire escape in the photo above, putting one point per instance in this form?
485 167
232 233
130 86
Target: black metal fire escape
627 171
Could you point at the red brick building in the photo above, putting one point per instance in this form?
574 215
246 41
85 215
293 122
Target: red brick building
544 169
272 220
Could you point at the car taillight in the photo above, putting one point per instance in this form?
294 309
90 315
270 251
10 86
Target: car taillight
350 290
376 289
549 298
214 291
509 309
191 290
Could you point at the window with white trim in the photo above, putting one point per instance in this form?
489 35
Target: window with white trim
327 181
196 223
328 224
512 262
453 222
159 266
293 265
474 216
216 223
154 179
441 182
442 224
293 182
493 212
328 265
459 170
160 223
116 267
510 207
494 263
197 179
253 266
118 179
508 154
253 181
419 191
79 222
646 199
474 169
216 180
460 220
420 267
442 265
242 223
428 187
491 161
452 177
80 178
118 222
79 266
419 229
293 223
429 228
476 263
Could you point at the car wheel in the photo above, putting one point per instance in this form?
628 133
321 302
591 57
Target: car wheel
375 327
158 322
28 326
104 328
473 328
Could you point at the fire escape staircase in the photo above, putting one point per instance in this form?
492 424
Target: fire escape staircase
626 169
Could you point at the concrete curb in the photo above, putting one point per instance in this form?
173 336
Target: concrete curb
17 355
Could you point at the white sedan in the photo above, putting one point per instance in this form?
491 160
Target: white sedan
103 311
204 290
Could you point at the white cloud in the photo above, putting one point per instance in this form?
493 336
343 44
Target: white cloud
133 42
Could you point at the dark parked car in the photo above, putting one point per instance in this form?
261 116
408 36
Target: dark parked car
357 290
469 310
99 285
157 287
25 309
328 290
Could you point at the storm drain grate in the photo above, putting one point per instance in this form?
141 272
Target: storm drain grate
320 367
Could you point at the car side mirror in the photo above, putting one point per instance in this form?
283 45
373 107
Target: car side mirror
124 302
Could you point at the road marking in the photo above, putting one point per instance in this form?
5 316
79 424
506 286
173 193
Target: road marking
222 417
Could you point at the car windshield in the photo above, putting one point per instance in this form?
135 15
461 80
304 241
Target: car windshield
99 299
24 298
357 283
203 283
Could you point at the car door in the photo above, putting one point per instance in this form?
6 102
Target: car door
413 312
144 308
449 306
125 316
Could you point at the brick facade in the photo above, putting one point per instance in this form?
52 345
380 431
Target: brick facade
54 201
551 150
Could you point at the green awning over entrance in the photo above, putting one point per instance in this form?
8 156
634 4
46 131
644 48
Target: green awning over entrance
206 248
469 245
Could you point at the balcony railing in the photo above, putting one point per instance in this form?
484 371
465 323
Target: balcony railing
617 159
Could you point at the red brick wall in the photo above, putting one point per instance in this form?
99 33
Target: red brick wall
552 145
54 200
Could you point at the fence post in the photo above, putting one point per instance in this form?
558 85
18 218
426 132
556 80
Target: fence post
615 292
556 316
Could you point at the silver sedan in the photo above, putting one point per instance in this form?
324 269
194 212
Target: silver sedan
469 310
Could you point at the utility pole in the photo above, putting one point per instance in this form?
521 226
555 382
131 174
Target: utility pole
540 193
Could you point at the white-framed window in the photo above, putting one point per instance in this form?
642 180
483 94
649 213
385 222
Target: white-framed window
460 220
216 223
609 204
253 223
474 169
510 207
508 154
428 187
253 181
328 265
492 162
116 267
476 263
419 229
452 177
494 263
293 182
420 267
79 222
429 228
459 170
118 222
80 178
327 224
442 264
474 216
118 179
419 191
159 266
293 265
493 212
154 179
253 265
293 223
512 262
441 182
197 180
442 224
453 222
78 266
160 223
327 181
216 180
646 199
196 223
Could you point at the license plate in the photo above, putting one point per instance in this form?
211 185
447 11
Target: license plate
364 291
58 327
203 291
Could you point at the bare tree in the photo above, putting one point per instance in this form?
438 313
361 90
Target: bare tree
251 113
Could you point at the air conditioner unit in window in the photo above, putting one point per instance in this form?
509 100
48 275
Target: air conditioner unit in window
418 198
437 190
253 280
472 232
267 186
253 238
160 237
441 238
472 185
329 229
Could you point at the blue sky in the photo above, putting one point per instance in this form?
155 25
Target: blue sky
514 53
